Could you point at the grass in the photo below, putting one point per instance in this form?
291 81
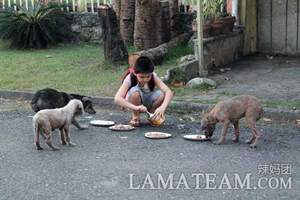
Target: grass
81 68
72 68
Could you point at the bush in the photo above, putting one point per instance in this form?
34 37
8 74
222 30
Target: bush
41 27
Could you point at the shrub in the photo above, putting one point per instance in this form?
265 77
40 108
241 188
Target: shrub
40 27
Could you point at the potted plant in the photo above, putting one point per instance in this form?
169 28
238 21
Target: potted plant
228 22
211 12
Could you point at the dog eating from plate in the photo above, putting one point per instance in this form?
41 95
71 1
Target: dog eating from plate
230 112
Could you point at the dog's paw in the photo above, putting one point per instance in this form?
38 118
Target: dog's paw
55 149
39 148
253 146
249 141
235 140
71 144
219 142
83 127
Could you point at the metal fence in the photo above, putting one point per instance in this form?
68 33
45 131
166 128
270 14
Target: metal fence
71 5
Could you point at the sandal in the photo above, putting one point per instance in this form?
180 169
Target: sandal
135 122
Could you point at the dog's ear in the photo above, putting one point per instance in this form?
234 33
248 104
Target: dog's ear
209 108
86 99
79 108
204 112
211 119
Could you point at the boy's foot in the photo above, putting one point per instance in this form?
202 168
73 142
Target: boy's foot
135 122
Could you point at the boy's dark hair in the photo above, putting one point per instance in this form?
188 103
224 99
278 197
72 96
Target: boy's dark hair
143 65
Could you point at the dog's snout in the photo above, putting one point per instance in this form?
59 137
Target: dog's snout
90 110
202 128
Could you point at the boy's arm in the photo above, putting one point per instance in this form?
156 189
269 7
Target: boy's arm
120 97
168 93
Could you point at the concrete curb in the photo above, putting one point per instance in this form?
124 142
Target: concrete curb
178 107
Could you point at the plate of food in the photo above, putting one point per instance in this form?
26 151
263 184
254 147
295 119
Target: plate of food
157 135
196 137
102 123
122 127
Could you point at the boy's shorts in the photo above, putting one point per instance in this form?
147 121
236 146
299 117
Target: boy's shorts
147 98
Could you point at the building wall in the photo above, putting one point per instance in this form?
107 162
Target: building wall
278 26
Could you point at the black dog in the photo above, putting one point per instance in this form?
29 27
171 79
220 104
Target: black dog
50 99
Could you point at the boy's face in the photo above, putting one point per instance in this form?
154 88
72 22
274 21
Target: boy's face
143 77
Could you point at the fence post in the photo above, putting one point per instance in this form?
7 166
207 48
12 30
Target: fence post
73 5
202 71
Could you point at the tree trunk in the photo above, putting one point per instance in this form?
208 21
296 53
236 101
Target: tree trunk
127 21
174 11
114 48
145 28
164 29
117 7
158 53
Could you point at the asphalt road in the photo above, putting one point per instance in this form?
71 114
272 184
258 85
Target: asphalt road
126 165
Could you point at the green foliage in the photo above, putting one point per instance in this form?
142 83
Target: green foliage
177 75
177 52
37 28
212 8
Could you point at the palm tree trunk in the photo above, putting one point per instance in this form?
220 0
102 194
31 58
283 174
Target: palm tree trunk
117 7
174 11
127 21
146 24
114 48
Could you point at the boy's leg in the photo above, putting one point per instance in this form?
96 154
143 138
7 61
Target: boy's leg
158 100
135 99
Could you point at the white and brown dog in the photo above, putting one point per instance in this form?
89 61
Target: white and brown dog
231 111
46 121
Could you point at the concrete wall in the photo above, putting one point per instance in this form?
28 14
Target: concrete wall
278 26
86 27
219 51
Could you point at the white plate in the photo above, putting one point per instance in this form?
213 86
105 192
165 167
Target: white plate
122 127
157 135
102 123
196 137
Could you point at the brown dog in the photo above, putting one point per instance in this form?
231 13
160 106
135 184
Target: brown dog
231 111
46 121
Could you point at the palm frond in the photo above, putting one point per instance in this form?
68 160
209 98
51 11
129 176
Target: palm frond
37 28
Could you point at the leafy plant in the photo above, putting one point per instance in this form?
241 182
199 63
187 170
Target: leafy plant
212 8
40 27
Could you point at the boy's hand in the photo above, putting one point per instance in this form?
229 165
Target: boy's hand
159 112
141 108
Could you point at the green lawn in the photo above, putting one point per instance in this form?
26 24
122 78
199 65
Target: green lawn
72 68
80 68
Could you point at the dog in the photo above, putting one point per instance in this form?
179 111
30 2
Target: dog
47 120
49 98
231 111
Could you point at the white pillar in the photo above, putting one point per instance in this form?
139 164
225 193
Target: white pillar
235 11
73 5
92 5
201 70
